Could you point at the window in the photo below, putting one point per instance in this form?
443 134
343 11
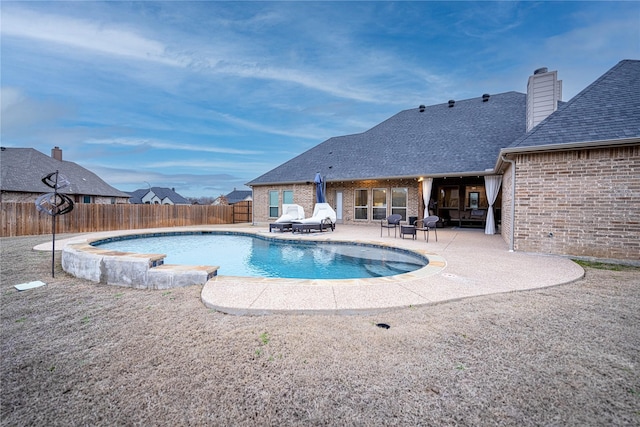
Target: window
399 202
362 204
287 197
379 203
273 204
86 199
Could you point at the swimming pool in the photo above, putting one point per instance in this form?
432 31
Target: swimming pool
238 254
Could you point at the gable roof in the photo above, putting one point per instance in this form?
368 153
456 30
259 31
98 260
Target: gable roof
606 110
238 196
161 192
137 195
439 141
23 169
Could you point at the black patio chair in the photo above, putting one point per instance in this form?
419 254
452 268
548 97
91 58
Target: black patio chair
426 224
392 221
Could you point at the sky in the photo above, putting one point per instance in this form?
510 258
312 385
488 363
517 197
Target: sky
205 96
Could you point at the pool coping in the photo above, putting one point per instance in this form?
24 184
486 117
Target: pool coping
464 263
148 270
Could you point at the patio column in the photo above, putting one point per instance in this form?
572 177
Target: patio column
492 185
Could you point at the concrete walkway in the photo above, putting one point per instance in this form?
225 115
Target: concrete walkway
463 263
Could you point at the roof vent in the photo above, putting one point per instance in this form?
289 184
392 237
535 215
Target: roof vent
422 107
485 97
541 71
451 103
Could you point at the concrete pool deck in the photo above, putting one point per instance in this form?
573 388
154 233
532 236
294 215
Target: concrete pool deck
463 263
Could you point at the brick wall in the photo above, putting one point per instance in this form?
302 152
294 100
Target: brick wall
305 196
583 203
506 223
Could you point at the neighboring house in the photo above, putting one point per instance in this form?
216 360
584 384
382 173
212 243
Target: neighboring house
24 168
157 196
234 197
565 176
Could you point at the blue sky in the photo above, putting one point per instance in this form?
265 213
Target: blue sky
205 96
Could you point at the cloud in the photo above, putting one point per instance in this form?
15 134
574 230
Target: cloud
22 113
488 20
615 39
187 185
166 145
262 128
236 167
310 79
83 34
335 73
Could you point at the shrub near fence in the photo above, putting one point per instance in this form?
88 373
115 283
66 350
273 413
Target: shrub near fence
21 219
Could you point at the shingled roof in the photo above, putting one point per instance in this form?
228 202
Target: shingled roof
438 141
162 193
238 196
606 110
23 169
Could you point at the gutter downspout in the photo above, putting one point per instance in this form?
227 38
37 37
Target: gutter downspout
513 202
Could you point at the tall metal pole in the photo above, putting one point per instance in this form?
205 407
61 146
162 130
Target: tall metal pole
53 226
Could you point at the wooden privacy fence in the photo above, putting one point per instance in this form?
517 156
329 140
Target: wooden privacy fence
21 219
242 212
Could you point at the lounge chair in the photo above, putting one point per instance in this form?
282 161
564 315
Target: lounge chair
426 224
323 217
290 212
392 221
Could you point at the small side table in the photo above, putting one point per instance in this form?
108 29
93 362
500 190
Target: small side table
409 230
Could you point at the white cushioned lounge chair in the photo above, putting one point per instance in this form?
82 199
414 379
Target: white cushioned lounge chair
291 212
323 216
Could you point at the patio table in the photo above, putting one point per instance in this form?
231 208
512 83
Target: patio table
409 230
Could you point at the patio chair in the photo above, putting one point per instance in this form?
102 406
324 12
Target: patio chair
390 222
290 212
323 215
426 224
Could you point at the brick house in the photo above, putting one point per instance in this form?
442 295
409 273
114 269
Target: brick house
157 196
23 168
577 174
565 175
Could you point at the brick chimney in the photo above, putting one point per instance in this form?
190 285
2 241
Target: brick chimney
56 153
544 90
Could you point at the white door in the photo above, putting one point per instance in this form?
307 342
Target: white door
339 207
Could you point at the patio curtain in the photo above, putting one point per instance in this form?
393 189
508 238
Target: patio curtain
492 185
427 183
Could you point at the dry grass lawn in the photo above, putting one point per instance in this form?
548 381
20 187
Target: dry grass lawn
79 353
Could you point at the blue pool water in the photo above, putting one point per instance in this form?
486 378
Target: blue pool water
253 256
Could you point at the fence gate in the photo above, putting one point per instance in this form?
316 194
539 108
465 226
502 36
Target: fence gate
242 212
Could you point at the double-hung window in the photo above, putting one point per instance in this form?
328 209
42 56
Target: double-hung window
273 204
399 202
361 204
379 203
287 197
